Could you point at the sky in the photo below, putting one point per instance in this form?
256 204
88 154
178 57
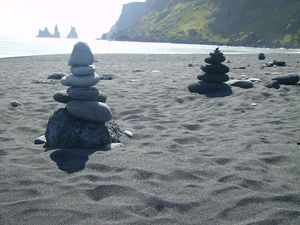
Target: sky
91 18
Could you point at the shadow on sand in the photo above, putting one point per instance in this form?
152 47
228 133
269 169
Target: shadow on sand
71 160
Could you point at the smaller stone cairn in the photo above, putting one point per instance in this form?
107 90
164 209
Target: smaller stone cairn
212 82
82 123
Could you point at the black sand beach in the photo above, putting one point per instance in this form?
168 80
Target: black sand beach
192 159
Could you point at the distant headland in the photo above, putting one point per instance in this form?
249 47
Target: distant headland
56 34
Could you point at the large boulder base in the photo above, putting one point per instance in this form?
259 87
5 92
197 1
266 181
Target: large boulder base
210 89
66 131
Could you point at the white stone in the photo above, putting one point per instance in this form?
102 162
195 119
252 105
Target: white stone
81 55
89 110
128 133
82 70
80 81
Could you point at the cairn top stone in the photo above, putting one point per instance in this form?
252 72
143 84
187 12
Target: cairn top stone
81 55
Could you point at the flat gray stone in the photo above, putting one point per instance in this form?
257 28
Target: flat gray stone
89 110
80 81
62 97
86 93
82 70
81 55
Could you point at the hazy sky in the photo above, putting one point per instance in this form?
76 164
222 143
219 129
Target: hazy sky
91 18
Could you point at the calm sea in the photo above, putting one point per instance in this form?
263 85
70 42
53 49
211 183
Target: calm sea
10 47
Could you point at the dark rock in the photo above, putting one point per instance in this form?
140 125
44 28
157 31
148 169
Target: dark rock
16 103
215 59
56 76
241 83
107 77
190 65
279 63
210 89
214 78
66 131
62 96
261 56
275 63
215 69
287 80
42 81
272 84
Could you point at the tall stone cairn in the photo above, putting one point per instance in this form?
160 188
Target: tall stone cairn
212 82
81 124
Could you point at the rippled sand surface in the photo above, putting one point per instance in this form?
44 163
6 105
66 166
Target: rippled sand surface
192 159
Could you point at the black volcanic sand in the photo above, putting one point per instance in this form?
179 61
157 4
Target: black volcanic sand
192 159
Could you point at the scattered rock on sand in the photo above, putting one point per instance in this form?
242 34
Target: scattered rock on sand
42 81
241 83
261 56
128 133
15 103
272 84
106 77
288 79
40 140
56 76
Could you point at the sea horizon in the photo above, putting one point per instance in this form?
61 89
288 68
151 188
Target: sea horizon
32 46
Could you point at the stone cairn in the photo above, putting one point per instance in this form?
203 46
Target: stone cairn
81 124
212 82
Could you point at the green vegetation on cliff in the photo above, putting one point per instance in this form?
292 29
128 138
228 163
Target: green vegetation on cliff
274 23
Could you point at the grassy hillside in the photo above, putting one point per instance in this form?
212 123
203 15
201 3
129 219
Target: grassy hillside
234 22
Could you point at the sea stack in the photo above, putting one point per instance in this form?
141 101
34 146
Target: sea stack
81 124
212 81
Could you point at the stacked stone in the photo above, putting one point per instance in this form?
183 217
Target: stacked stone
84 101
213 79
82 122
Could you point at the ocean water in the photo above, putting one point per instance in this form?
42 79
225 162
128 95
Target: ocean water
11 47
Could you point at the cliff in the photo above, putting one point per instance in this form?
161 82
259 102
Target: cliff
273 23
